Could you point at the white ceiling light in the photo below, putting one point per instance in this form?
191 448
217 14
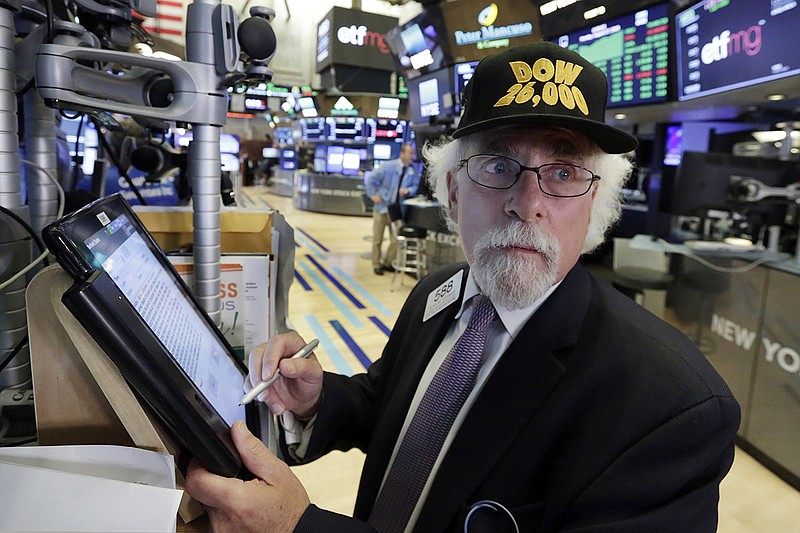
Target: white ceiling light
594 12
554 5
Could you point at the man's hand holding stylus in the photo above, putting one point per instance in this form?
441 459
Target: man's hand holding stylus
299 388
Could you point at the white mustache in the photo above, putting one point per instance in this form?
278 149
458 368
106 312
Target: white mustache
521 235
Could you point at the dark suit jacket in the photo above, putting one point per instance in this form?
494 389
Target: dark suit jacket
598 417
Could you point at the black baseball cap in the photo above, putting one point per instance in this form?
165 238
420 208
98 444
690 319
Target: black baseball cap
541 84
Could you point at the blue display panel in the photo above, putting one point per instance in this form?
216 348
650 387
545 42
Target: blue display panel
728 44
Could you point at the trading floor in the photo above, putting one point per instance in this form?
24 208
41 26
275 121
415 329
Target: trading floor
336 298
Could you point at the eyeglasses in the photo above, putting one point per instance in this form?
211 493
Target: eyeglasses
562 180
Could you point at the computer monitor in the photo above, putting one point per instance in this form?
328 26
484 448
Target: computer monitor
351 161
335 159
703 183
430 96
632 50
727 45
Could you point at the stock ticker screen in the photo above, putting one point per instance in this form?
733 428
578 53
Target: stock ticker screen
632 50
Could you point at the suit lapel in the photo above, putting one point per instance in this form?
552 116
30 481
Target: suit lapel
517 388
421 339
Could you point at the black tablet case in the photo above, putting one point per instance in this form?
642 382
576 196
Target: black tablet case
107 315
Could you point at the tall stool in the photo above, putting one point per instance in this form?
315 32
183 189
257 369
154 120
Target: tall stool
411 255
642 275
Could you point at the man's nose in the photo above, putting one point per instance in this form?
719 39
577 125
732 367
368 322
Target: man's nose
525 199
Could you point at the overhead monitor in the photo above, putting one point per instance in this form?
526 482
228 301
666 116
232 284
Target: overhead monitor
388 107
384 129
462 73
284 135
381 151
632 50
420 45
736 43
288 159
335 159
351 161
431 96
345 128
308 107
312 129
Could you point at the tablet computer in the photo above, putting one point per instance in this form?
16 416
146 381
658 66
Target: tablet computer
131 300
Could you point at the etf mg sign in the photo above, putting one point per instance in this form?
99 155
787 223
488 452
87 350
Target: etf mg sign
355 38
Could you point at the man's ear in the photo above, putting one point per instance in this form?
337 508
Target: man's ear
452 196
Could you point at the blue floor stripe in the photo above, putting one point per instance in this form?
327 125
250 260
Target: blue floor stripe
363 292
330 349
337 284
340 305
305 242
355 348
302 281
313 239
381 326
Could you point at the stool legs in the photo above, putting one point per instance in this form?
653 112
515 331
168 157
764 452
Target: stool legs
410 258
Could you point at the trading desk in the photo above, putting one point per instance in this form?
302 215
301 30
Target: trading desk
746 323
335 194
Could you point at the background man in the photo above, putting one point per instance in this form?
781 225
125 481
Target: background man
516 392
390 183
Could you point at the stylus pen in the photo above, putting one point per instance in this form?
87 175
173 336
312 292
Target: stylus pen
251 395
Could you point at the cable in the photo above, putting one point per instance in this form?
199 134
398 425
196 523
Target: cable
27 227
54 181
712 266
116 162
24 271
13 352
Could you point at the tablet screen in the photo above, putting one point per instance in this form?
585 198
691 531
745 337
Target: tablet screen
166 308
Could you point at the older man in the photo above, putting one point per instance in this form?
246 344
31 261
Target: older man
516 393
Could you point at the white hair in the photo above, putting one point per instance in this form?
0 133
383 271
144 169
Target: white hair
613 169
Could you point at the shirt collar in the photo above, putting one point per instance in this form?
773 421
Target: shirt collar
513 320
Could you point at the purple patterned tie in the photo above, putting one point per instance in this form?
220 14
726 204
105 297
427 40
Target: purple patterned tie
430 425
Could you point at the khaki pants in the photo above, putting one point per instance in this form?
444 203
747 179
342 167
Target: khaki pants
379 223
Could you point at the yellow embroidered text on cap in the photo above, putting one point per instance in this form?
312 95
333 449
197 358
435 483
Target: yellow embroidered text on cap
558 85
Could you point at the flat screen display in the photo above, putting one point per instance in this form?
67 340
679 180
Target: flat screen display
388 107
633 51
284 135
288 159
381 151
345 128
430 96
312 129
351 161
724 45
420 45
462 73
673 146
335 159
387 129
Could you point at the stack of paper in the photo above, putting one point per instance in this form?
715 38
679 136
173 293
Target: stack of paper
87 488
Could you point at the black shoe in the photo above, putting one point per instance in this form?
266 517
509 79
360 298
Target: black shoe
378 271
387 268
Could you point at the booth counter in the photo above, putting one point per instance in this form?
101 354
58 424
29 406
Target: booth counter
746 324
335 194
